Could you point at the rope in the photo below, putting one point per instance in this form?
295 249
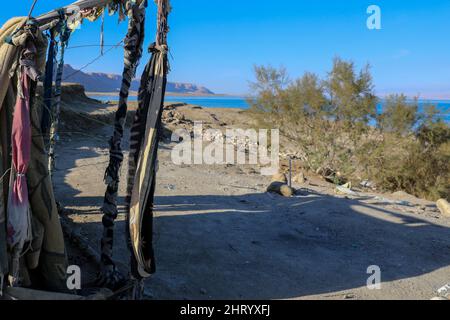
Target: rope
4 174
92 45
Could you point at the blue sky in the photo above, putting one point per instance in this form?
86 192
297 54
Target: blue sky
216 43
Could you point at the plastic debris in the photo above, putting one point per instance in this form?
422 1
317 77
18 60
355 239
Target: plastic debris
367 184
393 202
345 190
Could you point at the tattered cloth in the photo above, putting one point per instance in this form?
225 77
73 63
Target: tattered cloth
47 255
142 161
132 54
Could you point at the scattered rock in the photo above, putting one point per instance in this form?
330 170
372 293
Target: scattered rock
252 170
324 172
300 178
444 207
383 200
406 198
444 291
173 117
439 299
172 106
286 191
179 116
331 176
367 184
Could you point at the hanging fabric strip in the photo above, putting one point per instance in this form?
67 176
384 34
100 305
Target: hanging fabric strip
102 35
18 216
132 54
18 210
145 134
48 84
9 55
63 41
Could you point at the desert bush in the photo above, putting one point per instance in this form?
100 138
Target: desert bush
398 116
335 125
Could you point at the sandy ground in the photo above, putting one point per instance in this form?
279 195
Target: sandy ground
218 235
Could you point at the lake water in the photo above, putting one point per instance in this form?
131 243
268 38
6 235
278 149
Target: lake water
207 102
241 102
442 105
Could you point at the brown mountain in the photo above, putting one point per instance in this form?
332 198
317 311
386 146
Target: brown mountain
104 82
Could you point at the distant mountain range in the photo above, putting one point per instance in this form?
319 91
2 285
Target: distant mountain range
105 82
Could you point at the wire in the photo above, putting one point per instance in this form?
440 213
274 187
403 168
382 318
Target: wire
31 9
4 174
94 60
92 45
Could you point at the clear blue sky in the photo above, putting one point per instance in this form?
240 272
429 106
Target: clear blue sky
215 43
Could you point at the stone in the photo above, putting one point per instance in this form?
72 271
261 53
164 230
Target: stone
300 178
286 191
281 189
444 207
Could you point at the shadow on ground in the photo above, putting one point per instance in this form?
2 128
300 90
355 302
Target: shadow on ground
258 247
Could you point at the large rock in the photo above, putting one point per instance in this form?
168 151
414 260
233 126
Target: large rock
444 207
280 188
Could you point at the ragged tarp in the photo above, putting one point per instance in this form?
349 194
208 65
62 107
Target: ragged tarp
45 259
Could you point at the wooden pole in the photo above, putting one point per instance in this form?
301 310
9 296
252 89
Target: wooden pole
31 9
290 172
71 9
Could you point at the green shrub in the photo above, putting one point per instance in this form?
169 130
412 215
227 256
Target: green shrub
330 123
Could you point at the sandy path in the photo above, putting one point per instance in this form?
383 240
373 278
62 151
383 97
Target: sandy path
219 236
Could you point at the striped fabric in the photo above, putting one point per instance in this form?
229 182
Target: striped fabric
132 54
144 139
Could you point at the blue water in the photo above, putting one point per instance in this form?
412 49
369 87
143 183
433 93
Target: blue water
241 103
207 102
441 105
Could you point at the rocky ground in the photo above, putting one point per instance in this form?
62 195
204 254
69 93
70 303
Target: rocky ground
219 235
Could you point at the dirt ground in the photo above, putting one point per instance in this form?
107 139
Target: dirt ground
219 235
